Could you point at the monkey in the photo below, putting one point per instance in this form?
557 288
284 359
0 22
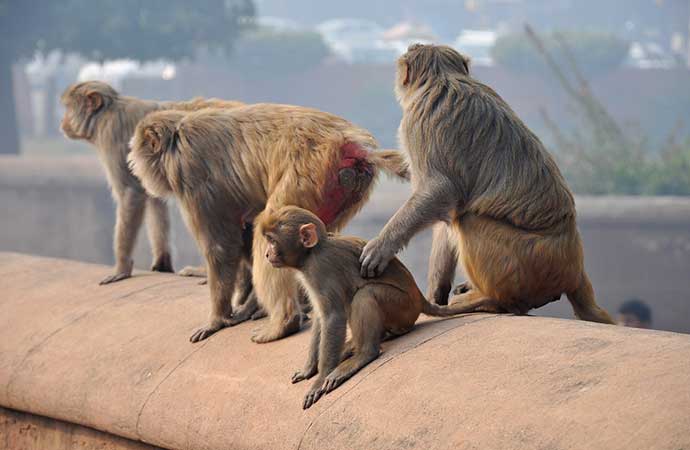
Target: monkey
225 165
328 269
498 202
98 114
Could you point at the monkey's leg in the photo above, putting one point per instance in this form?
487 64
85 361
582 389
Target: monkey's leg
277 292
474 301
333 330
348 350
367 328
584 304
158 228
311 366
442 264
222 266
260 313
130 214
243 286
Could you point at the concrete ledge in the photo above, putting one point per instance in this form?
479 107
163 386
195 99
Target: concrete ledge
116 358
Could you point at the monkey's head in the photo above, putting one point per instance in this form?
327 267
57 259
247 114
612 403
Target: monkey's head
291 233
84 104
154 147
424 63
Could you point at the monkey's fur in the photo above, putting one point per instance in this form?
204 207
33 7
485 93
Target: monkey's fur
499 202
96 113
225 166
328 268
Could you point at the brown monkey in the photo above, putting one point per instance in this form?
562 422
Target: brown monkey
478 168
95 112
224 165
328 268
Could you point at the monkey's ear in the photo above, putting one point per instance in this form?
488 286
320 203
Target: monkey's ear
152 139
94 101
308 235
466 62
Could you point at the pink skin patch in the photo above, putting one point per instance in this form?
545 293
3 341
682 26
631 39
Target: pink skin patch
337 198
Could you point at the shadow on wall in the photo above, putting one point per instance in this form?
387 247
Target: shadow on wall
634 247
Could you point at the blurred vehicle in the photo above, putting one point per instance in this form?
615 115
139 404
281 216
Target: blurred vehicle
357 41
115 71
404 34
477 45
278 23
650 55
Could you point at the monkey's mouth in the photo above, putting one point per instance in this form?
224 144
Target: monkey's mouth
275 262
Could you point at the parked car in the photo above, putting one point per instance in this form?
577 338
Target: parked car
357 41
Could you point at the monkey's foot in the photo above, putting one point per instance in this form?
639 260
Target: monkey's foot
462 288
305 374
244 314
213 327
163 263
117 277
313 395
192 271
259 314
274 332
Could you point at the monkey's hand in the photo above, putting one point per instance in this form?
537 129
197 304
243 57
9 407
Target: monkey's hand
192 271
314 394
305 374
462 288
214 326
375 258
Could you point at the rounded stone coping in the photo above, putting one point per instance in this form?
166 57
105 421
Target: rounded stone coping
117 358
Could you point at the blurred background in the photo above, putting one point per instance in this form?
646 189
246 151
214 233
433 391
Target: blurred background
605 84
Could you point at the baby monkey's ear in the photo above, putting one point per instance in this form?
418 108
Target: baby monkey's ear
308 235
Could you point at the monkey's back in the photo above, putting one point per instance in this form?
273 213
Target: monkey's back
501 168
398 295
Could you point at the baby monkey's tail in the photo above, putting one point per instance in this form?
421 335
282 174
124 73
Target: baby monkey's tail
434 310
392 162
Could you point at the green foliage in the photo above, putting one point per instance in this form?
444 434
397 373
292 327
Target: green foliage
267 53
595 164
594 52
139 29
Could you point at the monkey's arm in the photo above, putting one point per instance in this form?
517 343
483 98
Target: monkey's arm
333 329
428 204
130 213
311 366
442 264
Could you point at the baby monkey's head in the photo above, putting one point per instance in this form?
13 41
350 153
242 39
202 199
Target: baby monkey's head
291 234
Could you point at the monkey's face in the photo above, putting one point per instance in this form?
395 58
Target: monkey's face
291 234
153 153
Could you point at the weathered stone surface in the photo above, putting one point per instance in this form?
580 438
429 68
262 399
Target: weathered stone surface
117 358
22 431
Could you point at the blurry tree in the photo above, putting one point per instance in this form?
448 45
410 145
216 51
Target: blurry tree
600 156
267 53
109 29
595 52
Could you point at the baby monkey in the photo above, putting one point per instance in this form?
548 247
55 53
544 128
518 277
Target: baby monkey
328 269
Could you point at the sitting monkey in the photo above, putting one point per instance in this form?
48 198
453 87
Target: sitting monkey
328 269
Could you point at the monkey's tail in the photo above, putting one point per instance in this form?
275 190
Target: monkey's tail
392 162
434 310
